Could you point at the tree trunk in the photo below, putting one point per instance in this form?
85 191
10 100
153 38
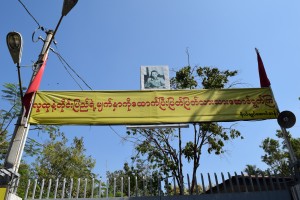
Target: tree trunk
181 183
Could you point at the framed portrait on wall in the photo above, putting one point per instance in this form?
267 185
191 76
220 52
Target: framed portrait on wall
155 78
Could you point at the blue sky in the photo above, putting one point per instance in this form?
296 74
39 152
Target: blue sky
106 42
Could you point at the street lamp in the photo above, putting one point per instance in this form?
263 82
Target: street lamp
68 5
15 46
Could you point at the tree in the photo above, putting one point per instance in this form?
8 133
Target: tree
11 96
276 153
58 160
163 147
139 178
55 159
25 172
252 170
3 145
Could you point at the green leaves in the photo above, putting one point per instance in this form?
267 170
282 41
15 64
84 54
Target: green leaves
189 150
276 153
252 170
184 79
57 159
213 78
141 170
10 96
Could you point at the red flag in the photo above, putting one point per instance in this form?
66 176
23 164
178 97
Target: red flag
264 81
33 87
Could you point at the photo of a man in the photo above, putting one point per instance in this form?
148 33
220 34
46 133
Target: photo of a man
155 80
155 77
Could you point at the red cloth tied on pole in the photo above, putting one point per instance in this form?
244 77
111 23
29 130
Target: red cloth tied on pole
33 87
264 81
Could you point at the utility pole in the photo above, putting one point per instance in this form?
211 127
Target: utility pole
17 144
9 174
18 141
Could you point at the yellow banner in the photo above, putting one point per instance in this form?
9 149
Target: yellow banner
2 193
152 107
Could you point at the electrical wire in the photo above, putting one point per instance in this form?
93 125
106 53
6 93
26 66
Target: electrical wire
65 64
61 60
40 27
